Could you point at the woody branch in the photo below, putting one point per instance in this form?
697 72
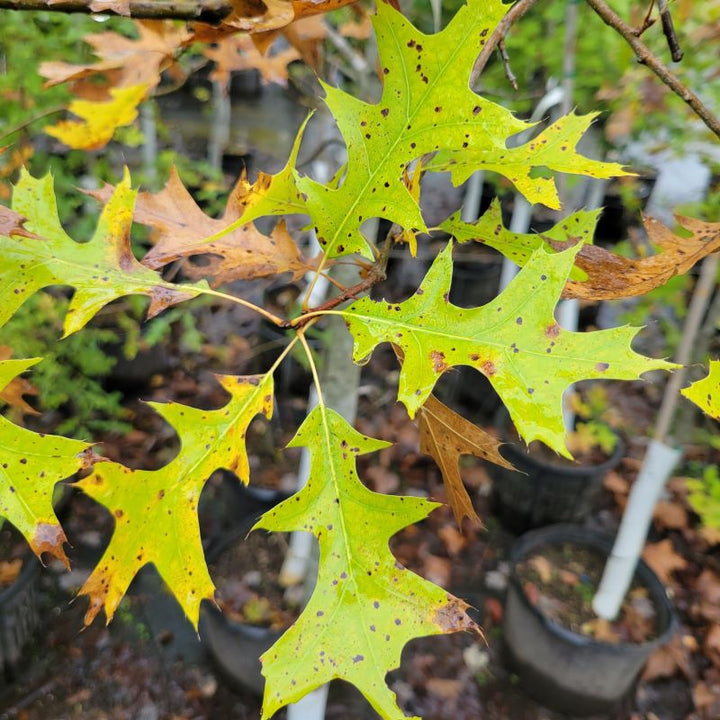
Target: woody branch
210 11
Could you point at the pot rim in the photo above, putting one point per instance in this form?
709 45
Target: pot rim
565 532
518 451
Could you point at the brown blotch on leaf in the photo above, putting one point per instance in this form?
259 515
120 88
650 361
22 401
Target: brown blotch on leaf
602 366
552 331
438 361
49 538
452 616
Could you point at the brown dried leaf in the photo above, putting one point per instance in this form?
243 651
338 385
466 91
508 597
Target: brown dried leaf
707 587
13 393
256 17
670 515
711 646
543 567
239 52
306 36
663 559
612 276
445 435
453 540
181 228
602 631
9 571
11 223
357 29
667 660
123 61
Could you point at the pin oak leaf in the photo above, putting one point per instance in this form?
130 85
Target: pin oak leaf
31 465
101 270
155 511
513 340
365 606
427 106
705 393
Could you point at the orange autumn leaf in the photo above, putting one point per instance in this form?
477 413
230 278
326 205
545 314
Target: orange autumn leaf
256 16
124 62
181 228
238 52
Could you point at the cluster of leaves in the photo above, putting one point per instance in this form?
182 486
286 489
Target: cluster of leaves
365 606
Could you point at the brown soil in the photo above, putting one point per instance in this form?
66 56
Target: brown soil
248 587
561 583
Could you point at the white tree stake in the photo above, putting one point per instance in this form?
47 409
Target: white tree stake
659 462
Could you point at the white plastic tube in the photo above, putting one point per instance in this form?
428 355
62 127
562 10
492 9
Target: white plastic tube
311 707
658 465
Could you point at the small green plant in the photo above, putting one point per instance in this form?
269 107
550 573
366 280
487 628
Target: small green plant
704 496
595 427
69 378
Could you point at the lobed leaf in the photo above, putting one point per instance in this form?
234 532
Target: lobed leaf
101 270
519 247
13 392
365 606
445 436
553 149
181 230
426 107
238 52
611 276
99 120
31 464
155 511
705 393
514 341
124 62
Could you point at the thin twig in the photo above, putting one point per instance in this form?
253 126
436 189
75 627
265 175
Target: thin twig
209 11
509 74
376 274
649 21
611 18
512 16
669 31
30 121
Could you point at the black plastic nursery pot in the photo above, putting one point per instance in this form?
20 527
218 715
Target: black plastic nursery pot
542 493
19 616
235 647
563 670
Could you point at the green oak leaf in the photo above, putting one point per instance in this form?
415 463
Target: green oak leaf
365 606
426 107
31 464
519 247
155 511
276 194
552 149
705 393
101 270
513 340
